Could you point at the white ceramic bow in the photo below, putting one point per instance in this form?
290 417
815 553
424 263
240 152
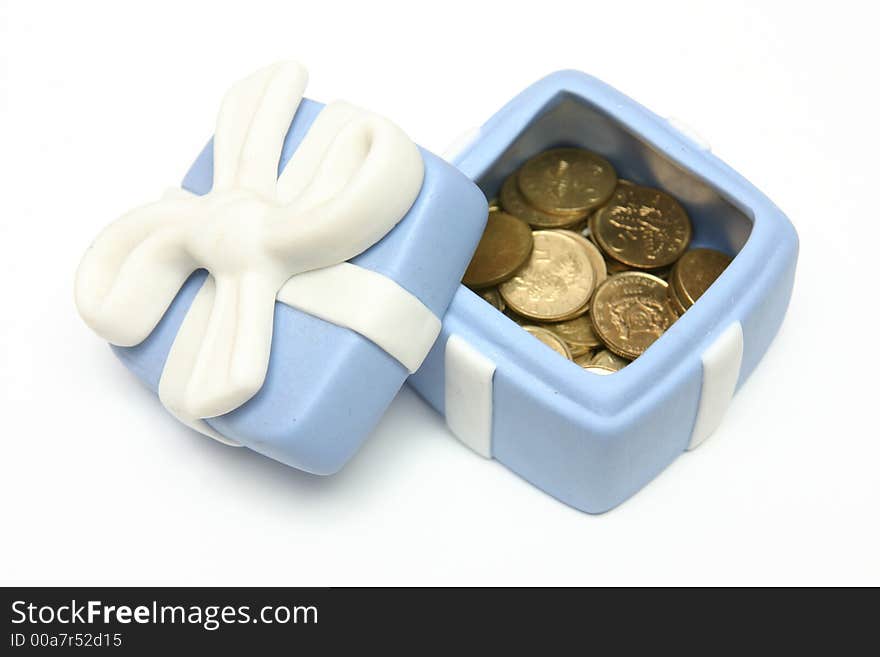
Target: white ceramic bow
353 177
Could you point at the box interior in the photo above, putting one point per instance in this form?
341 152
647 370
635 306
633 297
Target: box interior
568 120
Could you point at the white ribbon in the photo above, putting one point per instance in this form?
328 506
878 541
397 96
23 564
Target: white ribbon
260 235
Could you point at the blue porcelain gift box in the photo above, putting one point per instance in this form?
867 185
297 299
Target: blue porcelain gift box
280 300
588 440
311 263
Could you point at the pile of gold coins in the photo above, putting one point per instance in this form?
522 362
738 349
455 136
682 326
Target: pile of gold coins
595 267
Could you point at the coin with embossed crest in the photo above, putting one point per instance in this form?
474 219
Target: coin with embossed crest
642 227
492 296
630 311
503 248
695 271
550 339
513 202
567 181
556 281
577 333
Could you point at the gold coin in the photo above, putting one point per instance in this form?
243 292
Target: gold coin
600 270
695 271
674 302
494 205
630 311
577 333
550 339
642 227
584 359
567 181
608 359
556 281
492 296
503 248
514 203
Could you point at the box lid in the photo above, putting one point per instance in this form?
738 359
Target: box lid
281 299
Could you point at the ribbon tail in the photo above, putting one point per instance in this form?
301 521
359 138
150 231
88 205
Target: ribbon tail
220 356
181 359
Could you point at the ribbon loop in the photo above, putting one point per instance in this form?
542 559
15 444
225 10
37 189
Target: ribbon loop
251 127
132 271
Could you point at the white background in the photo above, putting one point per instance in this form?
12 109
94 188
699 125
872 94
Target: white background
105 104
